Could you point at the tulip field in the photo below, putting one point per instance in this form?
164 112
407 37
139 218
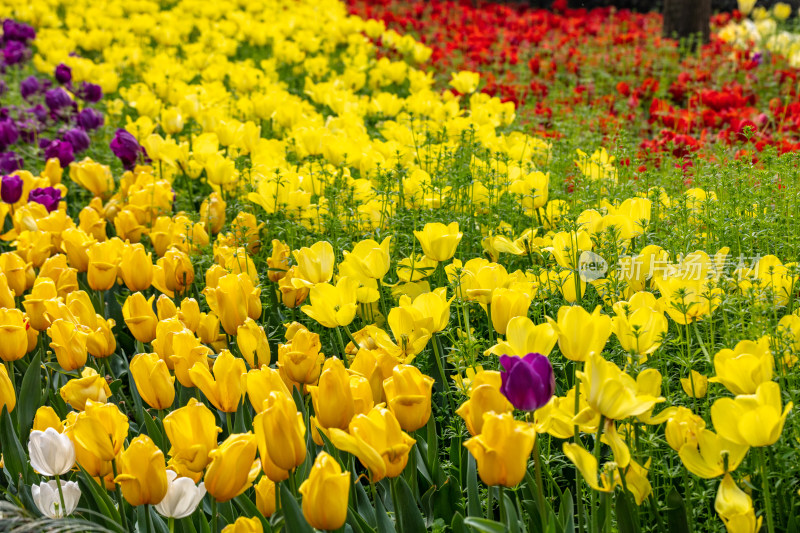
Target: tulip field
384 266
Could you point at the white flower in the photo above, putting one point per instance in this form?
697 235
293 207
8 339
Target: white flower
52 453
182 496
45 496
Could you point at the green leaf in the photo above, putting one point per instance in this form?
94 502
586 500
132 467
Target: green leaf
511 514
566 512
473 497
249 508
457 525
99 495
153 432
239 422
485 526
15 459
357 522
295 522
409 517
384 522
30 395
627 514
677 521
364 506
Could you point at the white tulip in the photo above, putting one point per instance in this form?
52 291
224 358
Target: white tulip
52 453
46 498
182 496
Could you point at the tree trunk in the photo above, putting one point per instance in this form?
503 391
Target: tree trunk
687 18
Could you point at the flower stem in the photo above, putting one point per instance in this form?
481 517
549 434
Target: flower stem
171 522
765 487
501 499
576 438
120 501
537 464
229 423
61 496
597 445
214 527
440 366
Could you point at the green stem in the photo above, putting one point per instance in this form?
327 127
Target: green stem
120 501
491 324
501 499
229 423
537 464
765 488
149 519
341 344
61 496
440 366
576 439
214 524
171 522
597 446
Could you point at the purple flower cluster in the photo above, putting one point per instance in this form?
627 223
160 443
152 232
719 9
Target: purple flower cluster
50 119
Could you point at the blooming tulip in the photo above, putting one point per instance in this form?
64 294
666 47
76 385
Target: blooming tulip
192 431
233 467
315 264
233 300
712 455
735 507
90 386
408 396
371 259
438 241
611 392
528 382
51 453
581 334
753 419
153 381
502 449
280 433
300 358
142 472
325 494
523 337
484 396
223 389
252 342
48 501
745 367
696 385
182 497
333 306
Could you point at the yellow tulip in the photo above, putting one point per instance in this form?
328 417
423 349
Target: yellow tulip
136 267
745 367
438 241
635 480
104 259
639 325
484 397
253 344
568 246
683 428
178 271
8 397
687 300
101 428
142 472
192 432
233 299
90 386
88 458
372 260
753 419
300 358
588 467
506 305
712 455
212 212
153 381
92 176
14 267
612 392
333 397
522 338
430 310
44 290
378 442
291 296
6 294
333 306
265 496
223 389
735 508
581 334
68 341
15 338
325 494
233 467
502 449
696 385
140 317
259 383
46 417
280 433
244 525
408 396
315 264
101 341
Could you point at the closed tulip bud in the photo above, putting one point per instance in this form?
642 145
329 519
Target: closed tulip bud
408 395
171 120
315 264
94 177
528 382
745 367
253 344
51 452
581 334
754 419
101 342
224 388
140 317
192 431
280 433
212 212
735 507
506 305
333 306
502 449
244 525
14 267
325 494
75 242
378 441
15 339
332 398
189 313
48 501
301 358
68 341
696 385
259 383
278 262
44 290
208 328
80 305
33 339
233 300
233 467
438 241
165 308
265 496
90 386
182 497
46 417
104 258
6 294
127 226
153 381
291 296
101 429
178 270
142 472
136 267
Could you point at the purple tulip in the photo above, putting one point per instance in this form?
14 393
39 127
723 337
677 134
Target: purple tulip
14 53
57 99
49 197
62 150
11 189
89 119
126 148
9 134
78 139
9 162
63 74
29 86
527 382
89 92
17 31
39 112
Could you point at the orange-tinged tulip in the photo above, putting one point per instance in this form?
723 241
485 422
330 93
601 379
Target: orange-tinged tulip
142 472
325 494
280 433
153 381
233 467
224 388
502 449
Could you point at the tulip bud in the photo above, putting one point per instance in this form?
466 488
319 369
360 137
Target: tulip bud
104 258
165 308
244 525
189 313
502 449
14 267
253 343
280 433
46 417
142 472
528 382
265 496
136 267
259 383
233 300
153 381
325 494
13 330
332 398
408 395
212 212
68 341
233 467
101 429
139 317
278 262
51 453
178 270
48 501
438 241
182 497
301 358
